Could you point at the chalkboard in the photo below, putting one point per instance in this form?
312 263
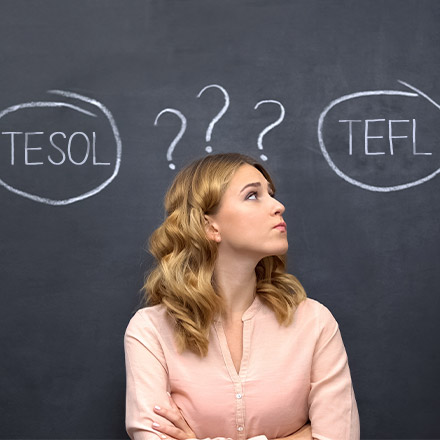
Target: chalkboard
102 102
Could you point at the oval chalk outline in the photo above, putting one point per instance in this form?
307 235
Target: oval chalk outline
350 179
73 107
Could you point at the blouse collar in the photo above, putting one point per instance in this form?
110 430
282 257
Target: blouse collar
250 312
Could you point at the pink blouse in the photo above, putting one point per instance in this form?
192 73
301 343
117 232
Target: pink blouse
287 376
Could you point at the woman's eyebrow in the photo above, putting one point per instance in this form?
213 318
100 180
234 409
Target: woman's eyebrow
256 184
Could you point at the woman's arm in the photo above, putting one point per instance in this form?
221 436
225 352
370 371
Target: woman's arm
147 384
146 379
304 433
333 411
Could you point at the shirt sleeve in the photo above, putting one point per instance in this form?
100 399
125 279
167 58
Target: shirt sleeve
147 381
333 409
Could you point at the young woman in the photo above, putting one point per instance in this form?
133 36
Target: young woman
230 346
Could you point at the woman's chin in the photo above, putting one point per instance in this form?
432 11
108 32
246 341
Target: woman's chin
279 252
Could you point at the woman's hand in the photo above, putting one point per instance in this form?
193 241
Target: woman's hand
181 429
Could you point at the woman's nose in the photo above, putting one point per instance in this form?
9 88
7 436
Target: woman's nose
279 208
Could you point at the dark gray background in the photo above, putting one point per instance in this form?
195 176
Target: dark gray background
70 274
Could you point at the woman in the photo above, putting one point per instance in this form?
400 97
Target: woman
231 346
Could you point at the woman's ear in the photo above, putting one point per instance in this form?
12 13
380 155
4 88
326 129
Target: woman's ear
211 229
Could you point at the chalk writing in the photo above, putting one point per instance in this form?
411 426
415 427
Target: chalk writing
394 129
75 148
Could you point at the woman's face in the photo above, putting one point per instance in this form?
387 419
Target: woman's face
247 216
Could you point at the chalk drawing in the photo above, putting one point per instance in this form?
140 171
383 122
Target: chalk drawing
44 104
179 135
219 114
271 126
372 93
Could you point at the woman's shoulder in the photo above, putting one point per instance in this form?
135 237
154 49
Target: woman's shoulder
312 304
151 311
150 319
313 309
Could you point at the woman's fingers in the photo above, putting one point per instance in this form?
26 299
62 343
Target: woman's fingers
175 418
181 430
171 414
173 404
189 433
185 425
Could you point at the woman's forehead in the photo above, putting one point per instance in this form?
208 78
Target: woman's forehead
245 175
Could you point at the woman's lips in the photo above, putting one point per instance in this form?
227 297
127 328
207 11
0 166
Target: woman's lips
280 228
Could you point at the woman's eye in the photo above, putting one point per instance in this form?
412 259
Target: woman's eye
255 194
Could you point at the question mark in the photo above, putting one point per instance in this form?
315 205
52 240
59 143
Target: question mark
269 127
179 135
219 115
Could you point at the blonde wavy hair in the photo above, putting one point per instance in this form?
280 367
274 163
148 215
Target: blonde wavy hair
183 277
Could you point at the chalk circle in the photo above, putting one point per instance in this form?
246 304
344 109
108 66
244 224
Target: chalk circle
372 93
116 135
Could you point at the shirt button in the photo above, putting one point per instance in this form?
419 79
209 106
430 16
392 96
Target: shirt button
238 396
240 428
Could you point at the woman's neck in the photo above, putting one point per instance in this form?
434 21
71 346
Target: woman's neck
236 283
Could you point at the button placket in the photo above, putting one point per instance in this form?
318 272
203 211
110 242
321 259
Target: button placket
238 379
240 408
241 379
